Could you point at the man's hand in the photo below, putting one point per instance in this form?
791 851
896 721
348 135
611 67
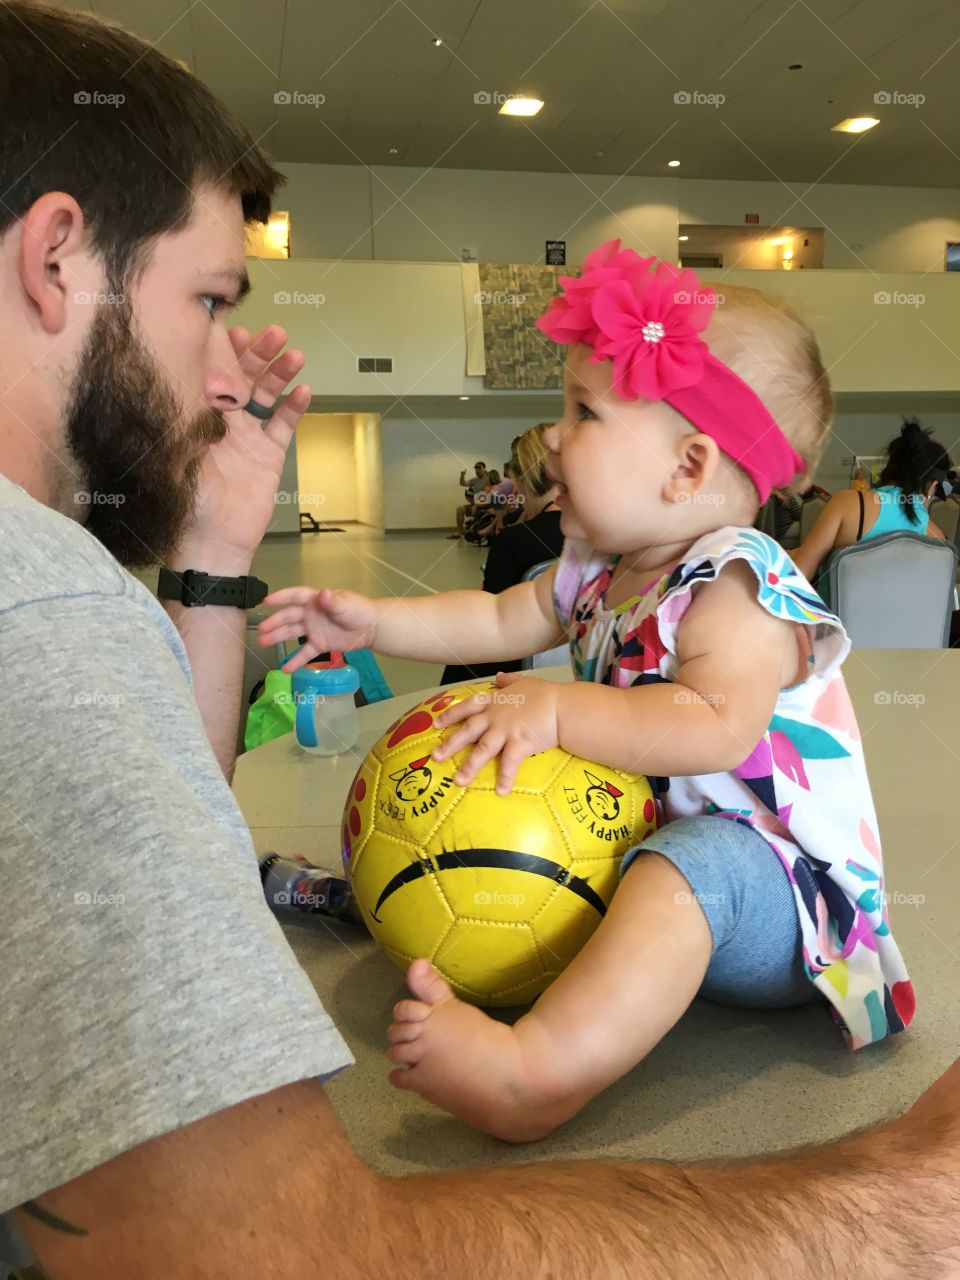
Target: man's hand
329 619
513 725
240 473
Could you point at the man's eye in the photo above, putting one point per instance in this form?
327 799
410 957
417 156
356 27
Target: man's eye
216 303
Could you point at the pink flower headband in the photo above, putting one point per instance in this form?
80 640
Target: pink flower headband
646 316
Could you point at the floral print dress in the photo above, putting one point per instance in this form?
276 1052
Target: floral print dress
803 787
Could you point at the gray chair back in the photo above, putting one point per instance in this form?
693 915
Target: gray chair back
548 657
809 511
765 521
893 592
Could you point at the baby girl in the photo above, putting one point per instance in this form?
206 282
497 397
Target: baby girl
703 659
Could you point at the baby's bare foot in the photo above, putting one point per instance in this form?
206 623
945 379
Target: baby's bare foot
460 1059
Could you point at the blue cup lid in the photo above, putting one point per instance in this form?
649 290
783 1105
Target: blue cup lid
331 681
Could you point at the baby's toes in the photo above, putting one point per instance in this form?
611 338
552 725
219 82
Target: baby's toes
407 1053
404 1032
411 1011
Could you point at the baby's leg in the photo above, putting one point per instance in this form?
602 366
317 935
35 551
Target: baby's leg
606 1011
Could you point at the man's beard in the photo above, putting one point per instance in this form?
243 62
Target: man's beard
139 464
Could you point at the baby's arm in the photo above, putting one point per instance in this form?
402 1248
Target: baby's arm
451 627
469 626
731 655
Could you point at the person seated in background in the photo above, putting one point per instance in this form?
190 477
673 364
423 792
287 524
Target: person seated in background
815 491
909 482
786 513
534 538
471 487
489 503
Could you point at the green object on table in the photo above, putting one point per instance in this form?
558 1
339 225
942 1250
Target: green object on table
274 712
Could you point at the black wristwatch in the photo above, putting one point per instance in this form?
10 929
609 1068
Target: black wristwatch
193 588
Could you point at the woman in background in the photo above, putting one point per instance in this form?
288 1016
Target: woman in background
534 538
908 484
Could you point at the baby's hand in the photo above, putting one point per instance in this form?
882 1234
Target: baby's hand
329 619
512 725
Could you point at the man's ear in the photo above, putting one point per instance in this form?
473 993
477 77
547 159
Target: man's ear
52 231
694 468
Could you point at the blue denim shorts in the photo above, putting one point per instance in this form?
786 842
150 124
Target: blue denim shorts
743 890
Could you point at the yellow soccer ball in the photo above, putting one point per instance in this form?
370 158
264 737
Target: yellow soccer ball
499 892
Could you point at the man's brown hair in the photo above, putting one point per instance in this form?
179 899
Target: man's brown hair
132 164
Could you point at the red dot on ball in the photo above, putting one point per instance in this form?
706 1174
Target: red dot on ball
360 790
355 820
648 810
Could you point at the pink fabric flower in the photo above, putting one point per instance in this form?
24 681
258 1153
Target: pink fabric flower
642 314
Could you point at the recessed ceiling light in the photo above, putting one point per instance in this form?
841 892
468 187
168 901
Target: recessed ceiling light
795 66
521 107
855 124
436 42
683 237
464 397
673 164
394 151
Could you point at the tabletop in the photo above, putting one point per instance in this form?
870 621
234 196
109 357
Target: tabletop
724 1082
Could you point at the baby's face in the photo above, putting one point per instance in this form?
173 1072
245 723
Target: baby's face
614 460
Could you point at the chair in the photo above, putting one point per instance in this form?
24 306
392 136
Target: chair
765 521
549 657
809 512
893 592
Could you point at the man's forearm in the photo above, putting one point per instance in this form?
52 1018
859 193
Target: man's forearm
847 1209
214 637
658 729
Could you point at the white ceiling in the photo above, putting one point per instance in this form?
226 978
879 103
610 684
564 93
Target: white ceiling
607 71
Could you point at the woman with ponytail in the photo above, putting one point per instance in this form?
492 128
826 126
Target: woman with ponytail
915 471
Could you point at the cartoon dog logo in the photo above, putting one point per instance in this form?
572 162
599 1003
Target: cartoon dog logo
603 798
413 780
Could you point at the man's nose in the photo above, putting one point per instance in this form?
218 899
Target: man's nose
226 387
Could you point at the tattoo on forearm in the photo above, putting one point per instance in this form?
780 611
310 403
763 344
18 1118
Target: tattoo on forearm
36 1211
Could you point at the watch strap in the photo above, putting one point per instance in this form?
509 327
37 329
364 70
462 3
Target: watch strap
194 589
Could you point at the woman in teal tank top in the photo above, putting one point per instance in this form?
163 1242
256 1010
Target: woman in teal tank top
916 473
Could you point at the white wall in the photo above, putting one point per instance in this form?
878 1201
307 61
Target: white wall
422 460
395 213
873 228
368 452
286 515
326 466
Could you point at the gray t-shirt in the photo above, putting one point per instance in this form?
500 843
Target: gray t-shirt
145 983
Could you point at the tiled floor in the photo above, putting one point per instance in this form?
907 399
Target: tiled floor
364 560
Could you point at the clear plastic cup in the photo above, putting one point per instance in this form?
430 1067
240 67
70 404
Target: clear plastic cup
326 712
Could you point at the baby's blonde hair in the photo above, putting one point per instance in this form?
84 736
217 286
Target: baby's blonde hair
767 344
